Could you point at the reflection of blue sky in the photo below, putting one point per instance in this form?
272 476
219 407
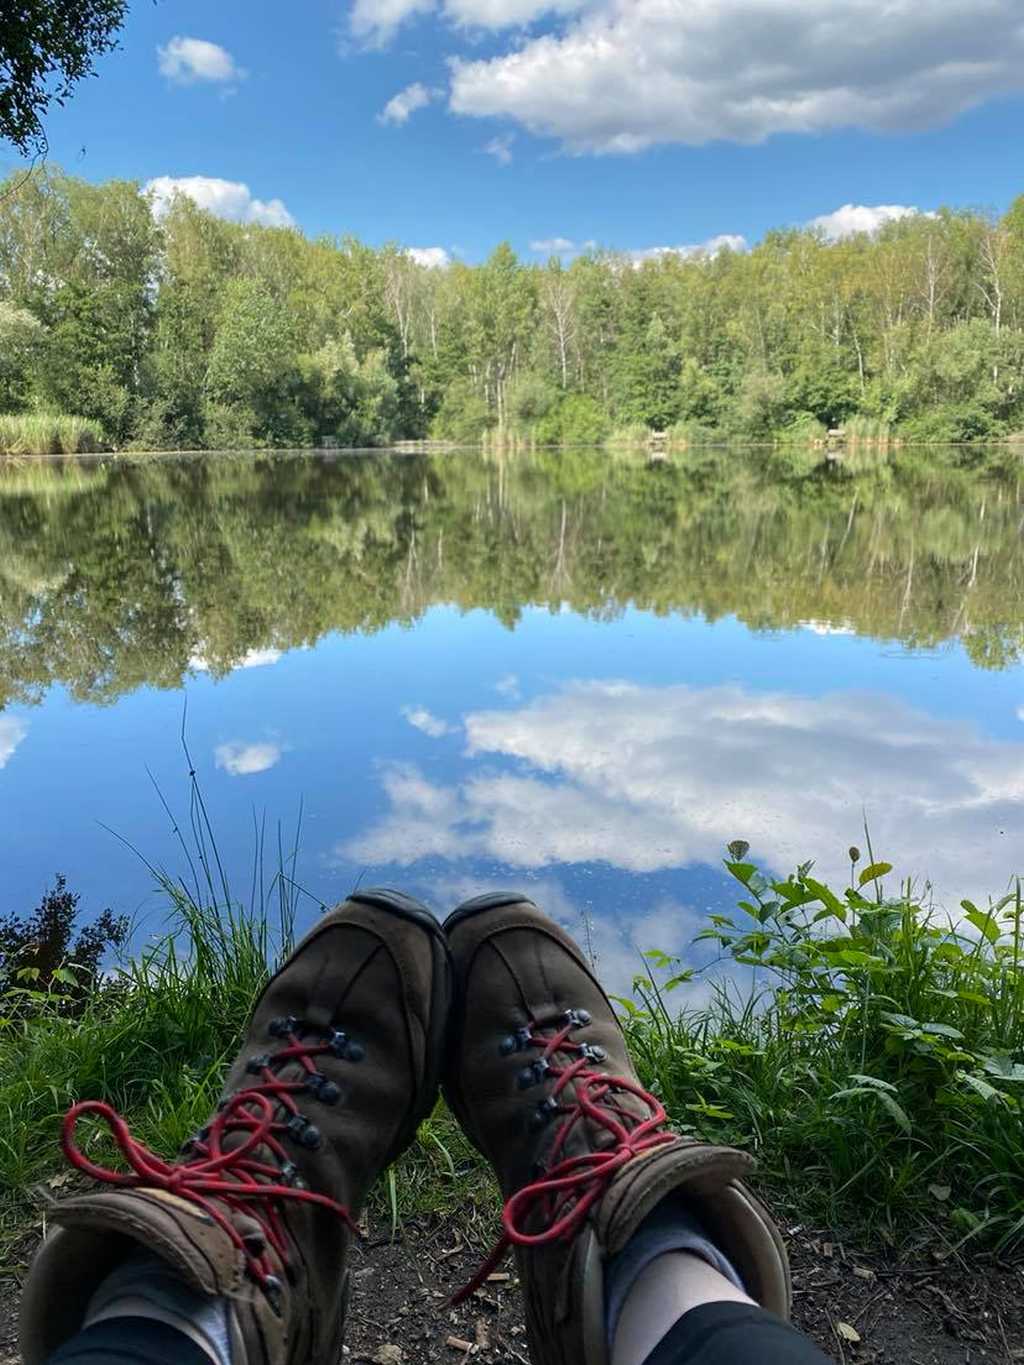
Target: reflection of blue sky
601 764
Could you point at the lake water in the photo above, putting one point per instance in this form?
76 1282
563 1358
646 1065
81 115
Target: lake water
578 674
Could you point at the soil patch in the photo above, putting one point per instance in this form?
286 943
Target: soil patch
861 1309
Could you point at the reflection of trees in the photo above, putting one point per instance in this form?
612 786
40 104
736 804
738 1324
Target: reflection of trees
117 575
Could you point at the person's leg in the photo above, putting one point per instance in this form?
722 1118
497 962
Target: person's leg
682 1312
237 1248
624 1231
130 1341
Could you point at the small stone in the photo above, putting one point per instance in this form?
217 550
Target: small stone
847 1333
863 1273
389 1355
458 1344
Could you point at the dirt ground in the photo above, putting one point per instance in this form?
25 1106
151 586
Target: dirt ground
862 1310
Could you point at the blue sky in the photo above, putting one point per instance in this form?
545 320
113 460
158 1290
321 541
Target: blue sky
634 124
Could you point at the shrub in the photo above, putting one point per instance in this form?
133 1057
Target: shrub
878 1058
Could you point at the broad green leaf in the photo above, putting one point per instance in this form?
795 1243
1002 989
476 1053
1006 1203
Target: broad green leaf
944 1031
872 873
982 1088
985 924
742 871
1005 1068
827 897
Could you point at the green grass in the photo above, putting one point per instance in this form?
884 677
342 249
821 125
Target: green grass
875 1065
867 1052
37 433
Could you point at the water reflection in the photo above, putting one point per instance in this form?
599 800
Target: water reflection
113 576
582 672
653 778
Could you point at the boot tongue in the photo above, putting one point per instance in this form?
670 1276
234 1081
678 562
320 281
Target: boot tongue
684 1165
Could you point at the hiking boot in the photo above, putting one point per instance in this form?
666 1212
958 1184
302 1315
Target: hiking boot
540 1078
339 1065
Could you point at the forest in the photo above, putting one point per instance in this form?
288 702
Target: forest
179 330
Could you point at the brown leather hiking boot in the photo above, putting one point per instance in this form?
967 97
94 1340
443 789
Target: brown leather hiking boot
339 1066
540 1078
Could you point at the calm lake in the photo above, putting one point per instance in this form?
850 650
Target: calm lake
574 673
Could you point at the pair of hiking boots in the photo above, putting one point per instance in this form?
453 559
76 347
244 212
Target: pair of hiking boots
345 1051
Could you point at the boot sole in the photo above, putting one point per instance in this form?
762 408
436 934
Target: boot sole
441 997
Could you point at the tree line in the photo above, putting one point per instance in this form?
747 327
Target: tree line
186 331
253 552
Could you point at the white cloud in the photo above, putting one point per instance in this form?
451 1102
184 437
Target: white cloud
497 14
226 198
432 257
12 731
725 241
422 719
254 658
653 778
554 246
241 760
853 218
402 106
186 61
508 686
626 74
375 22
501 148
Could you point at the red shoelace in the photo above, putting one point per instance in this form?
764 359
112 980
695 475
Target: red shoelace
221 1182
555 1206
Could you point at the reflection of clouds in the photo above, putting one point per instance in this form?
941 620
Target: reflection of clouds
12 731
422 719
241 760
827 627
649 778
615 946
253 658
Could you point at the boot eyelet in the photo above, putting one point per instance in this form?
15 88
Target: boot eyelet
289 1173
256 1065
296 1127
281 1028
577 1018
526 1078
356 1052
329 1093
508 1045
310 1138
337 1042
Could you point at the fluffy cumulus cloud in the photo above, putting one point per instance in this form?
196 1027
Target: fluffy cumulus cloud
188 61
433 257
501 148
400 108
626 74
851 219
375 22
226 198
714 246
242 760
12 731
422 719
650 779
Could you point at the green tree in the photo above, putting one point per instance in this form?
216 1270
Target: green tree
46 48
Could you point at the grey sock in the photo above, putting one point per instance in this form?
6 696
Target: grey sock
670 1226
144 1286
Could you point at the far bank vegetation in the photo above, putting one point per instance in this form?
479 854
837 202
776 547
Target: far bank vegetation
120 329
